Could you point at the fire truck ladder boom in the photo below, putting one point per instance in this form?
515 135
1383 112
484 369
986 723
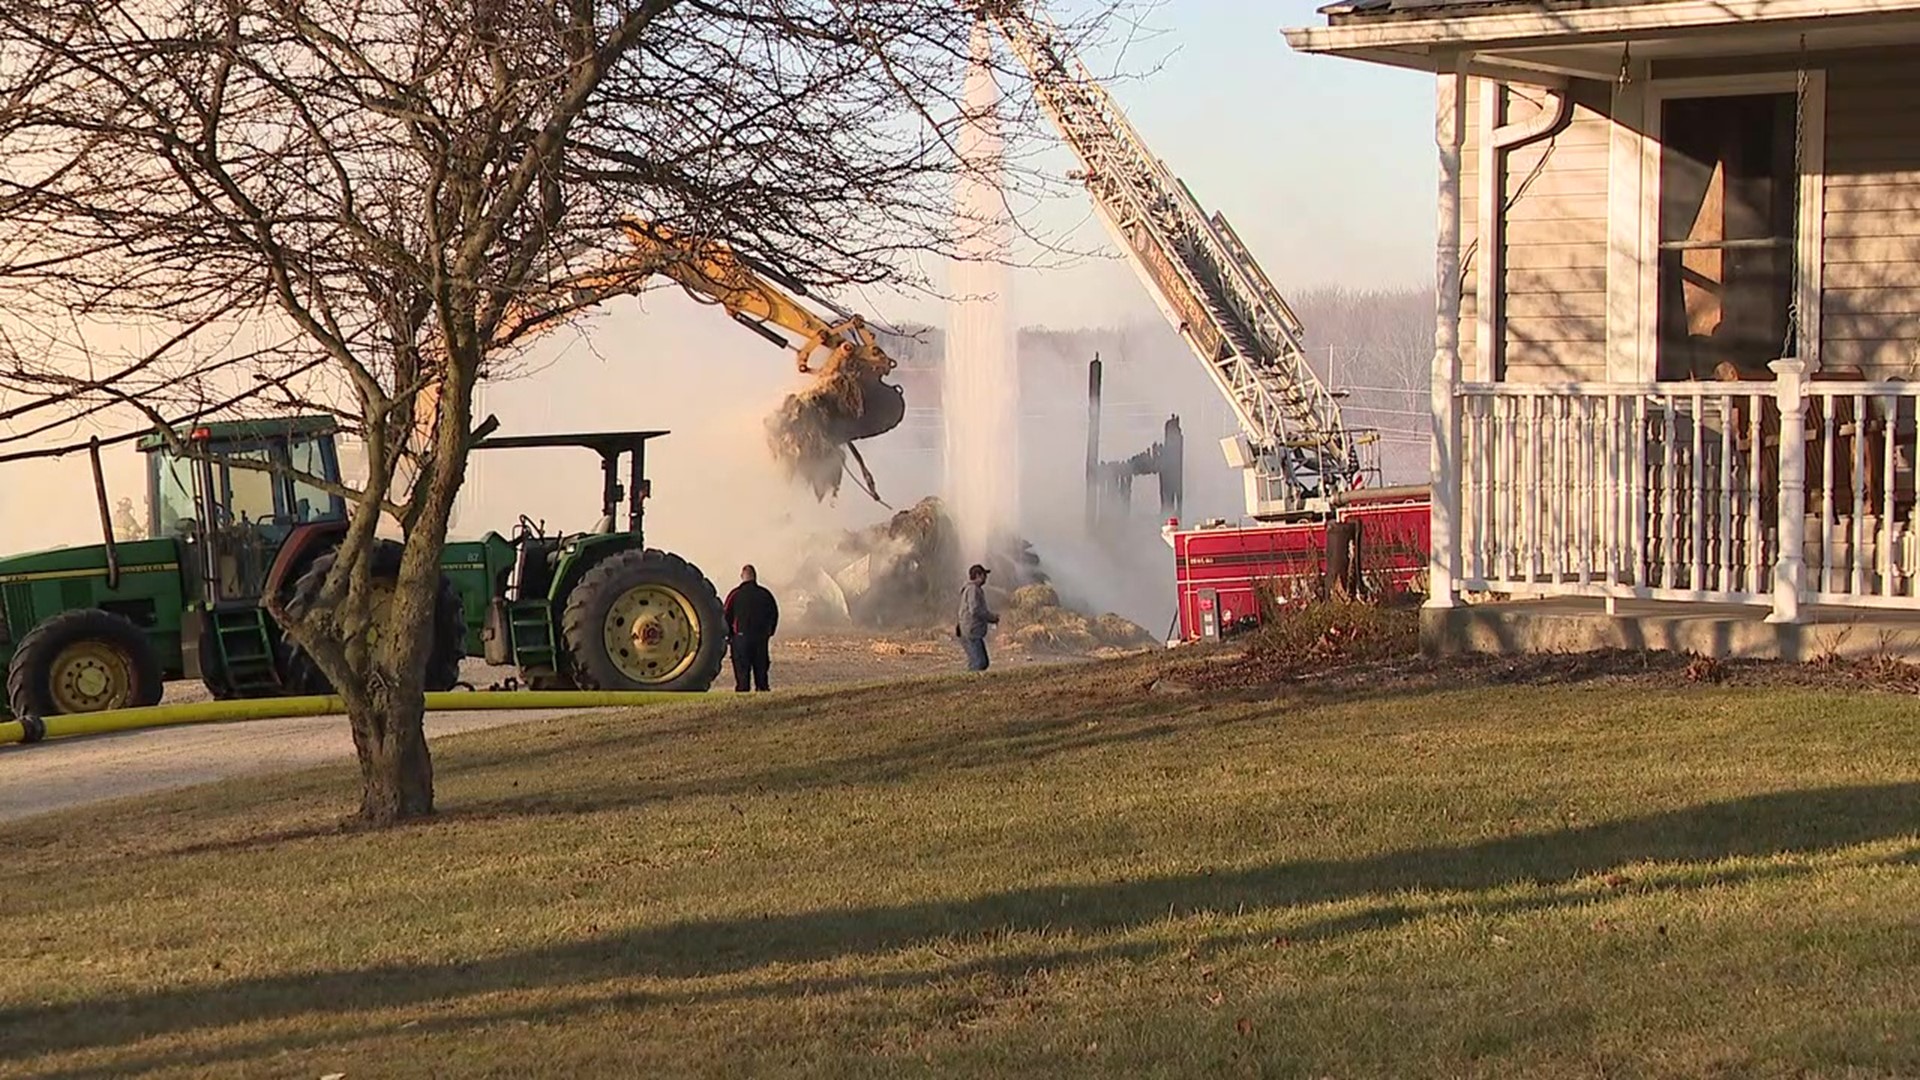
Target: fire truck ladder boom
1202 278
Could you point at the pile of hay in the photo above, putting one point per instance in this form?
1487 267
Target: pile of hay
905 573
1036 619
902 573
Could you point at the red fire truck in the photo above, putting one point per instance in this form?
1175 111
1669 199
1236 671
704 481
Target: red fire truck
1222 571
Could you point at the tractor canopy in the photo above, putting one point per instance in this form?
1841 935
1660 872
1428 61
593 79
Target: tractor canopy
273 473
239 431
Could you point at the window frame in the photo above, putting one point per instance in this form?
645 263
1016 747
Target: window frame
1809 219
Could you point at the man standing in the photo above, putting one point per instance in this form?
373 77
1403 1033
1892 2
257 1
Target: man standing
975 617
752 616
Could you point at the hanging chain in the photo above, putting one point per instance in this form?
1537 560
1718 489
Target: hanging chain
1790 346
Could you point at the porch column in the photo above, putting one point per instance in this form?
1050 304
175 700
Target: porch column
1790 565
1449 131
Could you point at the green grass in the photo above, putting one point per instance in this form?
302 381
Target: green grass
1045 874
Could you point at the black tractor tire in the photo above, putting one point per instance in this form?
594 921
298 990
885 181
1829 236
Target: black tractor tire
593 600
117 649
303 676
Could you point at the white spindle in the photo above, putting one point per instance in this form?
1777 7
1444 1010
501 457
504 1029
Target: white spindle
1590 490
1530 490
1669 498
1698 512
1637 493
1606 466
1857 535
1826 492
1725 556
1754 555
1502 489
1473 463
1884 565
1562 487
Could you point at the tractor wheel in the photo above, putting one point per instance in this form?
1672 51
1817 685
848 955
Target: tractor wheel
303 676
644 620
80 662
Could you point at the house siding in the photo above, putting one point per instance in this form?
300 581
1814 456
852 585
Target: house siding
1870 281
1553 274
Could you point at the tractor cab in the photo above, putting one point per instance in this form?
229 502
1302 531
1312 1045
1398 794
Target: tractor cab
236 496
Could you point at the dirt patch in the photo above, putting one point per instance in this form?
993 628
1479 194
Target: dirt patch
1355 648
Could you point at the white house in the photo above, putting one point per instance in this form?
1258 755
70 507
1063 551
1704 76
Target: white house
1676 373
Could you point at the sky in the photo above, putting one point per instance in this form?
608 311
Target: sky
1325 167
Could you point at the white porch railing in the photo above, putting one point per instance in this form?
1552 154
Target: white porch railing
1768 493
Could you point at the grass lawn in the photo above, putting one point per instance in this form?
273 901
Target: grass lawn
1048 873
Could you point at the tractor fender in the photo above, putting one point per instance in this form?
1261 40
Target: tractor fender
303 545
591 551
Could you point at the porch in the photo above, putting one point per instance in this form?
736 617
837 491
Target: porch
1761 520
1778 495
1573 624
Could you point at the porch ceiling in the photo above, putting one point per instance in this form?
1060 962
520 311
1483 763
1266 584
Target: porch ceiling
1538 44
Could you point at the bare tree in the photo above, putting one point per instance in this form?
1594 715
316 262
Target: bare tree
1375 345
368 206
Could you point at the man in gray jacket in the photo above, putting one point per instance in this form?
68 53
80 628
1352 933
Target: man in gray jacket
975 618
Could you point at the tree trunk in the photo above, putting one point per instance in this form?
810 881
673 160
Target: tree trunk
396 770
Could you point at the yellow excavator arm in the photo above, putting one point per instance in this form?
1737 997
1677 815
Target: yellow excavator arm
813 432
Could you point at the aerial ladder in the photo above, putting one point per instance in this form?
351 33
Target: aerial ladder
814 430
1294 449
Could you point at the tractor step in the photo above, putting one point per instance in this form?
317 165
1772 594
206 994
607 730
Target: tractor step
530 622
243 641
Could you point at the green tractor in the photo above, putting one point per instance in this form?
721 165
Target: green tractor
84 629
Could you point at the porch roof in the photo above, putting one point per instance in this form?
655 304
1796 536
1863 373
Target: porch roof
1550 41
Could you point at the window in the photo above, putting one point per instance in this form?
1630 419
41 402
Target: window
1729 208
172 491
309 457
249 491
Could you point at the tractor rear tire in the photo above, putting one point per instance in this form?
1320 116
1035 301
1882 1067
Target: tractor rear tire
82 661
644 620
303 676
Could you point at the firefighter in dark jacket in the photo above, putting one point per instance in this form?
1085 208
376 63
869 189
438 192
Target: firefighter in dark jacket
752 617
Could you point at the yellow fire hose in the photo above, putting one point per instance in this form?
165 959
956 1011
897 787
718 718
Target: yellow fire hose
33 729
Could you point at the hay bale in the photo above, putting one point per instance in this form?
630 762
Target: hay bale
1063 637
1033 635
1065 621
1120 632
1034 597
1070 639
